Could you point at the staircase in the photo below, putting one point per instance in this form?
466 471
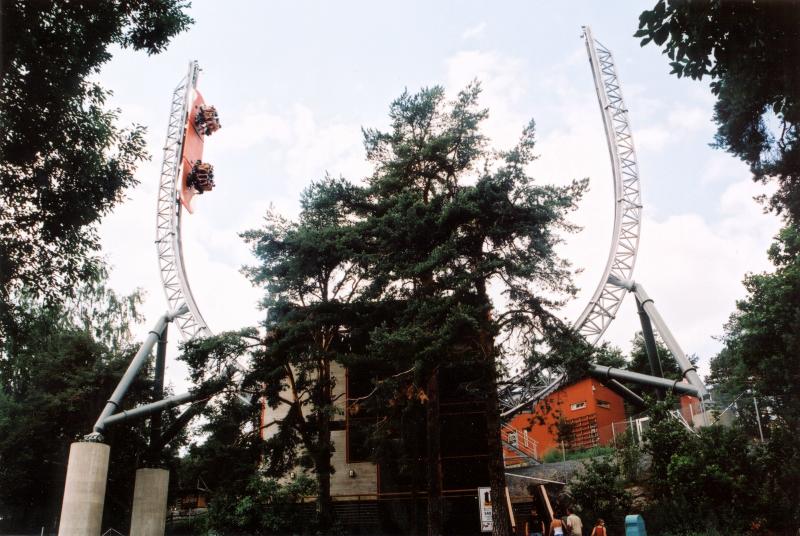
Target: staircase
518 448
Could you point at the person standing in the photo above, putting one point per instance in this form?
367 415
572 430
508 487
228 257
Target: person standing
599 528
556 527
574 523
535 525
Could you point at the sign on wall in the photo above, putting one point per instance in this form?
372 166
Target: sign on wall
485 508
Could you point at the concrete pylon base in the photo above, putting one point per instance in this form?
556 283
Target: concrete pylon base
149 516
84 490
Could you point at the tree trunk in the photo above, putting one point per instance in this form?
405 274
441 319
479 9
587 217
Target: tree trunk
324 482
325 450
433 440
501 518
416 481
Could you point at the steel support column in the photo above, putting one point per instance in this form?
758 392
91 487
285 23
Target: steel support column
650 346
133 369
603 373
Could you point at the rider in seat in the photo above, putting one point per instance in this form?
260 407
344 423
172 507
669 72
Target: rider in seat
207 120
201 178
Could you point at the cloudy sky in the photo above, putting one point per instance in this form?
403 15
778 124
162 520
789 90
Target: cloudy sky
295 82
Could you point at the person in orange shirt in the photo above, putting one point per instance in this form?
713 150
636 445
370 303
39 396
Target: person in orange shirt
599 528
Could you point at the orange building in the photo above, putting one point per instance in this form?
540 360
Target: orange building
587 406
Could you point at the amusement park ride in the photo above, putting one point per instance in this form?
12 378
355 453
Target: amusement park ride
184 176
524 389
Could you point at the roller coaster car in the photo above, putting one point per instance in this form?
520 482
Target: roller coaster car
201 178
207 120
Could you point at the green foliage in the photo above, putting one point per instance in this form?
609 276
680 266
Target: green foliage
434 240
56 373
759 358
718 479
761 341
64 161
428 235
663 438
714 473
552 456
749 50
629 456
266 507
779 463
639 362
232 448
228 463
312 283
599 492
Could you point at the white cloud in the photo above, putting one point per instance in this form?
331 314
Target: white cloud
504 84
474 31
652 138
721 167
686 118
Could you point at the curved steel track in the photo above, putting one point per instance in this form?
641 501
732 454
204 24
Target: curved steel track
168 216
532 385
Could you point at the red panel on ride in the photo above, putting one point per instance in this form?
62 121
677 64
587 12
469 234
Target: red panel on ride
192 152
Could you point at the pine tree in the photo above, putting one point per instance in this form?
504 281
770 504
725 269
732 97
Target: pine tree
311 283
464 238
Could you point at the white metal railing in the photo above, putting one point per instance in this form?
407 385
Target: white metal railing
524 447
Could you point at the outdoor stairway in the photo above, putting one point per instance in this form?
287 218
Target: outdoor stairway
523 447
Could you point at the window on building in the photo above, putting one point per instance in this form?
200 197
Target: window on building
359 419
577 405
358 431
603 404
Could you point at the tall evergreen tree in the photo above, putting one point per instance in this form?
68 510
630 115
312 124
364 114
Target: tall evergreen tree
445 253
311 283
464 238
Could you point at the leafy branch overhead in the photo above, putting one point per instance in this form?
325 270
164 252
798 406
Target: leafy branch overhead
750 52
64 160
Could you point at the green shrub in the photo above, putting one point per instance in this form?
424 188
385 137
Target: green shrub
599 492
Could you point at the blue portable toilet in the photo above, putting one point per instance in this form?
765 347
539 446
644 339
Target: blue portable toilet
634 526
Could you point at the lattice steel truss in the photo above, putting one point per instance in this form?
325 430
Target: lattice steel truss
168 217
605 302
527 387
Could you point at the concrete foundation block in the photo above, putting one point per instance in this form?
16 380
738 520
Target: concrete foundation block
85 490
149 515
